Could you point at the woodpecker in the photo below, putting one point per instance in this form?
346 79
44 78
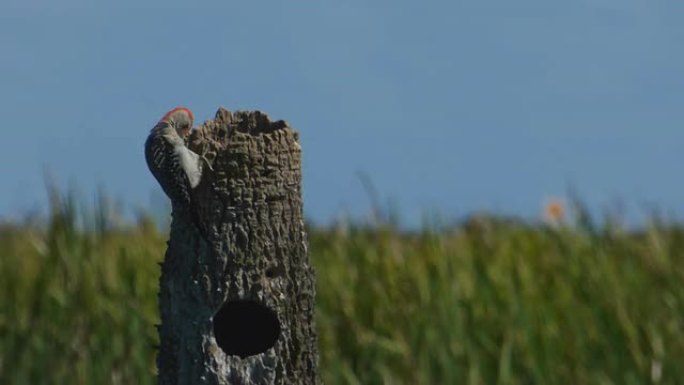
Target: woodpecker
177 169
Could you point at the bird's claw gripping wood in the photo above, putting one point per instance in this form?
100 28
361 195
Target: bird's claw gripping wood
203 156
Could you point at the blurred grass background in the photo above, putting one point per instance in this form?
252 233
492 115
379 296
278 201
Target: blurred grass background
488 301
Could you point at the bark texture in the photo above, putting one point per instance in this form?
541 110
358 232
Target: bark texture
237 297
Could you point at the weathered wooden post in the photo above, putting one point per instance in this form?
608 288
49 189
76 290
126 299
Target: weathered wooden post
237 302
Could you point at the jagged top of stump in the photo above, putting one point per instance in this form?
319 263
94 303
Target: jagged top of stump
226 123
229 128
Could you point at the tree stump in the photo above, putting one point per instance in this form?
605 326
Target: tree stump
237 296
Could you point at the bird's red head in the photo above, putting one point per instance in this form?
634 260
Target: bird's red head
181 119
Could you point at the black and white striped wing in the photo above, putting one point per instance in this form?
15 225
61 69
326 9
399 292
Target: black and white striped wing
165 164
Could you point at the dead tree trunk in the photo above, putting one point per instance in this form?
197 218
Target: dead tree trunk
237 298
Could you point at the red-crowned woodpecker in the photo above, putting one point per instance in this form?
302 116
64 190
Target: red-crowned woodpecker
177 169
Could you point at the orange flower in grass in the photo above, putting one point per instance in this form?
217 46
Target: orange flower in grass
554 211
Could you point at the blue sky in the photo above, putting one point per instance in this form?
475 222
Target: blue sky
448 107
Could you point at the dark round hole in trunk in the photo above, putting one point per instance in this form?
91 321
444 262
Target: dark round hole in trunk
245 328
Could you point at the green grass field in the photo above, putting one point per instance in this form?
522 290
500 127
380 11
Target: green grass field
491 301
